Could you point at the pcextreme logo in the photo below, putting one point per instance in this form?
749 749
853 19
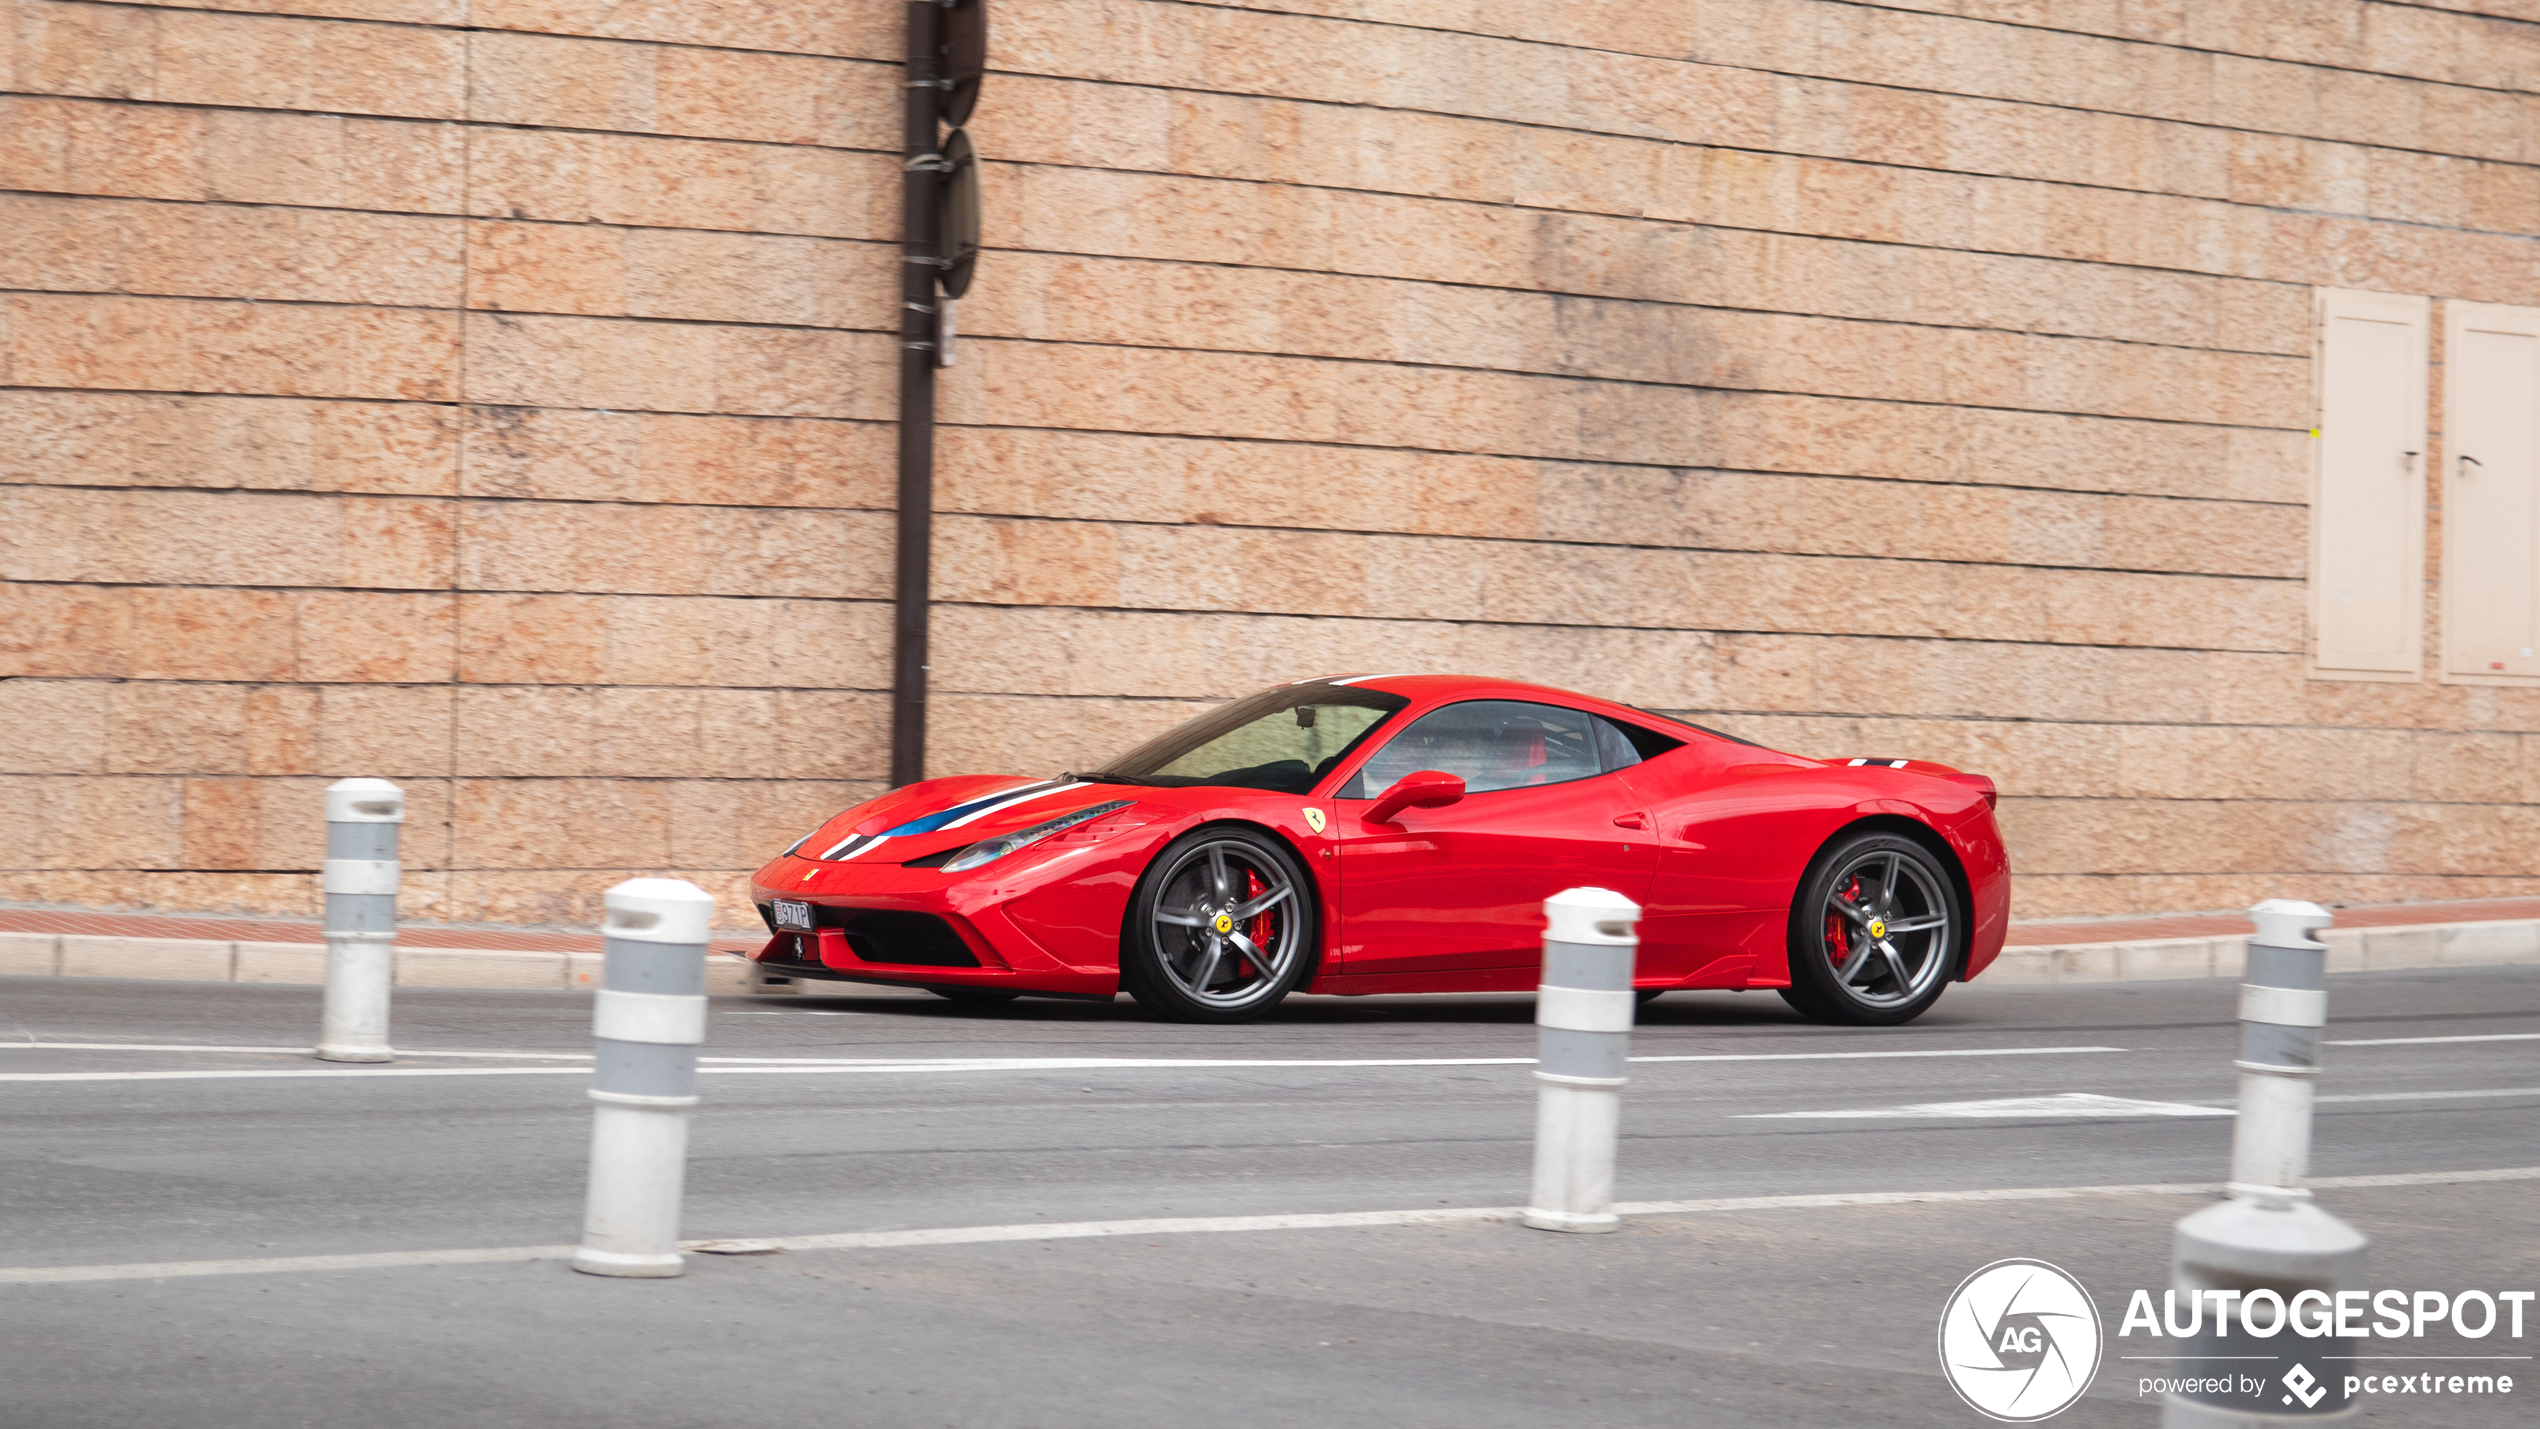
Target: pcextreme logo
2019 1341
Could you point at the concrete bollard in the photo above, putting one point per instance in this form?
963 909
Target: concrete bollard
362 820
649 1017
2268 1240
1584 1010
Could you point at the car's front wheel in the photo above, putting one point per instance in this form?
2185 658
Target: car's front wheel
1874 932
1222 926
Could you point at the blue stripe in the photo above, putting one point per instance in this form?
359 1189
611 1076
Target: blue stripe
932 822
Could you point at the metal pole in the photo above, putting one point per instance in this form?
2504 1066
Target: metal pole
362 820
649 1017
2268 1255
1584 1010
922 163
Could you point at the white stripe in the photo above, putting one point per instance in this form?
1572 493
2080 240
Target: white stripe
2089 1104
286 1051
1849 1056
2416 1041
844 843
232 1076
358 875
1010 803
1196 1225
2431 1096
1583 1009
661 1019
2283 1006
783 1065
1362 679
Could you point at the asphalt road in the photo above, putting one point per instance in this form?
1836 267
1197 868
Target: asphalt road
1781 1316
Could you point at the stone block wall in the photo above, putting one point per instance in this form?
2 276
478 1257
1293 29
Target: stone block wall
494 395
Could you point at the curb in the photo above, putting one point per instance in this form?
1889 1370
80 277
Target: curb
304 964
2502 942
2350 950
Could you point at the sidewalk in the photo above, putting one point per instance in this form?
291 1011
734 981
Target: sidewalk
201 948
2365 938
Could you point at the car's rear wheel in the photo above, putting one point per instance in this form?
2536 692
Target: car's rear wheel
975 996
1874 932
1220 929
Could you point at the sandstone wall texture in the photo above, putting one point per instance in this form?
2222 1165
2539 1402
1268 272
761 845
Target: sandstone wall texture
496 396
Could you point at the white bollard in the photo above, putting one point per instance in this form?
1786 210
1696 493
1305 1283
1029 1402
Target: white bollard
1584 1013
362 820
2283 1006
2268 1239
649 1017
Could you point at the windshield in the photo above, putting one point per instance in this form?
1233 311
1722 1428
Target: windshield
1282 739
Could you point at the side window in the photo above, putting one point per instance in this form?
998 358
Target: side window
1614 747
1489 744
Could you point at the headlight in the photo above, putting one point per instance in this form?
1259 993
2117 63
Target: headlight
989 850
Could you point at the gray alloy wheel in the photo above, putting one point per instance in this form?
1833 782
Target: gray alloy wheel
1220 929
1874 932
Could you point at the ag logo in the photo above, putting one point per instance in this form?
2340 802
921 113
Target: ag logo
2019 1341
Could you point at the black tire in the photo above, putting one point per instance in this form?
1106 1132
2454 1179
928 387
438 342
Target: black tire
1221 928
1876 932
974 996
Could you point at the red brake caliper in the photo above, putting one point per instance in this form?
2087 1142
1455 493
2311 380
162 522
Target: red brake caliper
1261 928
1838 932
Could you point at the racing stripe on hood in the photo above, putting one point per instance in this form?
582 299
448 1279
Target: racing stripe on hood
1017 799
963 813
850 846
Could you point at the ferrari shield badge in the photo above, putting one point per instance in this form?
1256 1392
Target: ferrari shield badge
1314 819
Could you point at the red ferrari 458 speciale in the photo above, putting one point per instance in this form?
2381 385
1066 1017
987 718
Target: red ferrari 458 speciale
1399 833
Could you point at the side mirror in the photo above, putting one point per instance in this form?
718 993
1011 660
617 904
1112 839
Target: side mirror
1419 789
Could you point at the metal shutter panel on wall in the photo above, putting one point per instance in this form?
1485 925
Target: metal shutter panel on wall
2491 520
2368 487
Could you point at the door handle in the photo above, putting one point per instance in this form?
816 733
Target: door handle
2467 462
1631 821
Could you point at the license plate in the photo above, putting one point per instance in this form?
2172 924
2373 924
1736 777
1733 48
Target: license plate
793 915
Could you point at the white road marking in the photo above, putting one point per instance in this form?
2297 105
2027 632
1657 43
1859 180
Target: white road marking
2432 1096
2063 1104
243 1074
2420 1041
838 1065
2092 1104
1845 1056
1196 1225
283 1051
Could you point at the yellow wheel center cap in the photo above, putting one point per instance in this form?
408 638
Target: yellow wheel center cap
1878 928
1225 923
